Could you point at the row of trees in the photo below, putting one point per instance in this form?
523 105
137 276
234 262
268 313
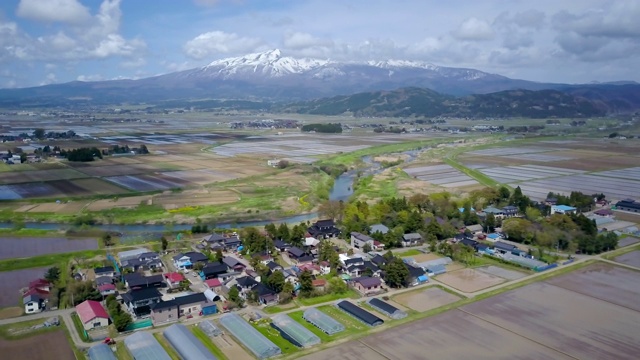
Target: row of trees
82 154
323 128
121 319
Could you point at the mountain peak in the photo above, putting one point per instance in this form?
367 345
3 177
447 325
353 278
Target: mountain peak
270 63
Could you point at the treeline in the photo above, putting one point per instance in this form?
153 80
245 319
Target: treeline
580 201
82 154
332 128
125 149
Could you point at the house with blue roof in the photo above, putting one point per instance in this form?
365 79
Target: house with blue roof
563 209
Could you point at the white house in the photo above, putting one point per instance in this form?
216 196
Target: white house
274 162
92 315
563 209
33 303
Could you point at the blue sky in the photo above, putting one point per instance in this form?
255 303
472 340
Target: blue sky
52 41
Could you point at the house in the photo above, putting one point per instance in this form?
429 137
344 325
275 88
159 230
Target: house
295 253
310 242
213 270
469 242
498 213
378 228
323 229
190 304
223 242
563 209
367 285
603 212
353 261
493 237
628 205
188 259
214 284
510 210
411 239
475 229
281 245
92 315
274 266
253 274
319 284
307 266
173 279
107 289
325 267
145 261
550 201
417 275
33 303
233 263
139 301
40 284
164 312
246 284
137 280
359 240
379 260
306 259
105 271
273 162
503 248
103 280
266 296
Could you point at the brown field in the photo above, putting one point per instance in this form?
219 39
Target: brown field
424 257
502 272
99 186
610 283
469 280
40 175
11 312
430 298
25 208
231 348
178 200
538 321
50 345
627 216
627 240
62 208
116 170
127 202
632 258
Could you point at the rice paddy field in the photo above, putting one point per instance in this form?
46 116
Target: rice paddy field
590 313
441 175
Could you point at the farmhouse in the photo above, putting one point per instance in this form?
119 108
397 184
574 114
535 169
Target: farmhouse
191 304
367 285
504 248
173 279
137 280
562 209
139 301
107 289
164 312
359 240
510 211
359 313
41 285
104 271
603 212
213 270
281 245
233 263
214 284
145 261
188 259
295 253
323 229
628 205
92 315
33 303
274 266
411 239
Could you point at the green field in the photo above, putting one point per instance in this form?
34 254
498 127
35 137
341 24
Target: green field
208 343
46 260
167 347
351 294
297 316
275 337
351 324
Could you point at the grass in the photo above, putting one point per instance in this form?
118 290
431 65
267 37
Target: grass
297 316
479 261
275 337
46 260
474 174
274 309
614 254
167 347
121 352
351 294
208 343
11 312
352 325
410 252
28 232
77 323
8 331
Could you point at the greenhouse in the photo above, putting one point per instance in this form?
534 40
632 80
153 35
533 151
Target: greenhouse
322 321
359 313
294 331
101 352
523 261
259 345
209 328
186 344
143 346
387 309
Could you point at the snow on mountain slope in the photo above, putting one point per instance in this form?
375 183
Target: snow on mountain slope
270 63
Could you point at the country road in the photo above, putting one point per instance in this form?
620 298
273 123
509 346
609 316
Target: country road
65 314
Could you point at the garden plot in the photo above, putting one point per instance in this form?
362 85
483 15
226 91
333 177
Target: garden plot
502 272
469 280
144 182
425 300
61 208
51 345
125 202
586 183
99 186
631 258
442 175
500 151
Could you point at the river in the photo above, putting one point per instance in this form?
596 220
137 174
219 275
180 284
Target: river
341 191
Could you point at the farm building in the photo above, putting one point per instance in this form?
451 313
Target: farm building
428 265
131 254
359 313
294 332
322 321
186 344
628 205
209 328
386 308
562 209
92 314
253 340
523 261
101 352
143 346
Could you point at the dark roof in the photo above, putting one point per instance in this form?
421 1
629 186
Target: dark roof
141 294
295 252
504 246
378 260
104 280
415 271
509 208
190 299
367 281
352 261
215 268
325 223
263 290
628 203
469 242
305 258
280 244
272 265
371 265
102 270
384 306
196 256
215 237
363 315
246 282
163 305
231 262
136 279
233 240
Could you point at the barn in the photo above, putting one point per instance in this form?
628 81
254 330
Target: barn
92 315
359 313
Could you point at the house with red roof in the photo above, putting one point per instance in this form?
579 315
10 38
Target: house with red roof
173 279
92 315
107 289
214 284
40 284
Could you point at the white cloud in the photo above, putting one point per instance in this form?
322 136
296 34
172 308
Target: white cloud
94 77
300 40
49 79
215 43
473 29
65 11
133 63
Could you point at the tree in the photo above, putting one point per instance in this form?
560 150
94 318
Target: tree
39 133
331 209
287 288
219 255
234 296
367 248
198 266
397 274
283 164
504 193
271 230
276 281
490 222
52 275
283 232
337 285
121 320
165 243
298 233
306 283
107 240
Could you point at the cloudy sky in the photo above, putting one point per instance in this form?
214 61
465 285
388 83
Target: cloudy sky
51 41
